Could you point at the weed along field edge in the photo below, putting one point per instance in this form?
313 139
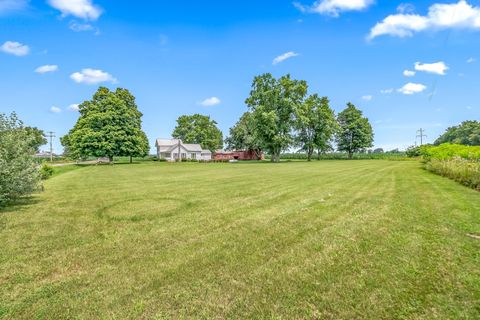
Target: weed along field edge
326 239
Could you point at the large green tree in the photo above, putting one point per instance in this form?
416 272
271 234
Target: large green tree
355 132
18 170
38 137
467 133
199 129
243 135
109 125
273 103
315 124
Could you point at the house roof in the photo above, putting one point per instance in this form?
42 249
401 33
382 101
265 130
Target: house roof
168 145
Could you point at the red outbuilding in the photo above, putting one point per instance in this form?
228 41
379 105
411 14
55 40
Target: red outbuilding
237 155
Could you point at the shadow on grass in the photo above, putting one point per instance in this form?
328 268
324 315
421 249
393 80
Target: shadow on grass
18 205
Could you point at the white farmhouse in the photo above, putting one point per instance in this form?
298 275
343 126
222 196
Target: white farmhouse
169 149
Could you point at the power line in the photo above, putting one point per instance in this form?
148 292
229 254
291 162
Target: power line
51 135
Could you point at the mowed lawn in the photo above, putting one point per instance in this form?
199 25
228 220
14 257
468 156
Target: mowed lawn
330 239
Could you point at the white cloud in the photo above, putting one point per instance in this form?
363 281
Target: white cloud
411 88
386 91
73 107
92 76
15 48
437 67
408 73
283 57
334 7
367 97
83 9
212 101
471 60
78 27
7 6
55 109
46 68
459 15
406 8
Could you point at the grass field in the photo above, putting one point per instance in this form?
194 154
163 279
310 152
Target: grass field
330 239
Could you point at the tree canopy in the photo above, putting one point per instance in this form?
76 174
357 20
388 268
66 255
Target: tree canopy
355 132
199 129
18 170
243 135
38 137
109 125
315 125
467 133
273 103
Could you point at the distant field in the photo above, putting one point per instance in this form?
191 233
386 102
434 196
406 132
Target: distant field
365 239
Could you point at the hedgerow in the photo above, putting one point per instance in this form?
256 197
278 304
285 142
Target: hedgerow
458 162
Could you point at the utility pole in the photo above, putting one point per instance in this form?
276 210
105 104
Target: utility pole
421 134
51 135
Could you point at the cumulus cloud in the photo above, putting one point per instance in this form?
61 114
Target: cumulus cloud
283 57
15 48
334 7
367 97
440 16
437 67
73 107
408 73
92 76
84 9
55 109
46 68
471 60
411 88
212 101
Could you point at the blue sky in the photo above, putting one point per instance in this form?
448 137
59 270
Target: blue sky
405 64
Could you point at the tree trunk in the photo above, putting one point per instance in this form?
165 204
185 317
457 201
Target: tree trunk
309 154
130 159
350 155
318 154
110 158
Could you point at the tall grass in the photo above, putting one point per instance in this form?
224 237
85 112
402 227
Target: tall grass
458 162
467 172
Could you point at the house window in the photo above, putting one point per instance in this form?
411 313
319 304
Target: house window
194 156
175 155
168 154
184 156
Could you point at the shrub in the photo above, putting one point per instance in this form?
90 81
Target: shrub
448 151
413 152
458 162
46 171
18 170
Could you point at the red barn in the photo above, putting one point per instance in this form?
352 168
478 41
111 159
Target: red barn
237 155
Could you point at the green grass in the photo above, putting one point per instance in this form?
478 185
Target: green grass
329 239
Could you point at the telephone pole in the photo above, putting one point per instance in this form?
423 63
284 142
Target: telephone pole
51 135
421 134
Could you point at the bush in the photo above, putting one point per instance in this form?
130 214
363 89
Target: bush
448 151
18 169
413 152
458 162
46 171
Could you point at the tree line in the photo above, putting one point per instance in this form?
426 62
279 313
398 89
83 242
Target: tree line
282 115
